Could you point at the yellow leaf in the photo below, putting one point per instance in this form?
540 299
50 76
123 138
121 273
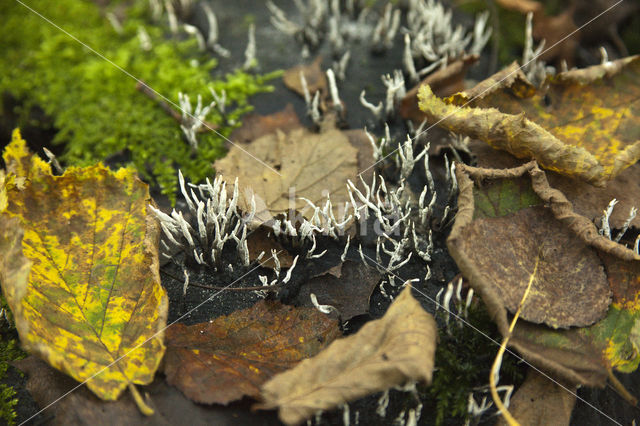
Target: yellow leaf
91 304
582 123
19 161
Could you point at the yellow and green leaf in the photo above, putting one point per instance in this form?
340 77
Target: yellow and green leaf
91 304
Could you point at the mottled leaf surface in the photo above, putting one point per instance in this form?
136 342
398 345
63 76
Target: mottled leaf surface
92 294
580 355
232 356
391 351
584 123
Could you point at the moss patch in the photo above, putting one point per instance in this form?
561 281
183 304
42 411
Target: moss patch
95 106
9 351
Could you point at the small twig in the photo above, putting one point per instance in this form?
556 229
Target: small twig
211 287
166 107
259 287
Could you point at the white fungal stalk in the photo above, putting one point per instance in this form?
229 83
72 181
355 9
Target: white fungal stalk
534 68
193 119
433 38
277 269
216 221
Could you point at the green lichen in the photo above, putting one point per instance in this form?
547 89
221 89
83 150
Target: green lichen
95 106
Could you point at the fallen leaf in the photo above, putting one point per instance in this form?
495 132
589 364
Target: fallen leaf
587 200
81 407
230 357
584 124
540 401
304 164
82 280
256 125
444 82
313 74
263 240
579 355
503 231
349 292
391 351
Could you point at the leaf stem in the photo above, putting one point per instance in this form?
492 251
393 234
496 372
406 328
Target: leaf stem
142 406
619 387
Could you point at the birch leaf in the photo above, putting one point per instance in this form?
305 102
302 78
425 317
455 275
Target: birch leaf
85 290
584 123
232 356
391 351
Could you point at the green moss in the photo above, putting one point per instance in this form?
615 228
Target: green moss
95 106
463 362
9 351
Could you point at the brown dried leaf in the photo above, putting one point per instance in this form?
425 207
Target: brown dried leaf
316 79
310 165
554 30
522 6
583 355
570 288
256 125
564 32
261 240
349 292
359 140
539 401
502 230
582 124
230 357
397 348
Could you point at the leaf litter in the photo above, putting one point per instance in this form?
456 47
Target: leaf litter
619 273
584 355
85 291
303 165
583 123
230 357
391 351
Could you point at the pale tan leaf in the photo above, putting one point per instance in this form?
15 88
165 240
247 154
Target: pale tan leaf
304 164
391 351
540 401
